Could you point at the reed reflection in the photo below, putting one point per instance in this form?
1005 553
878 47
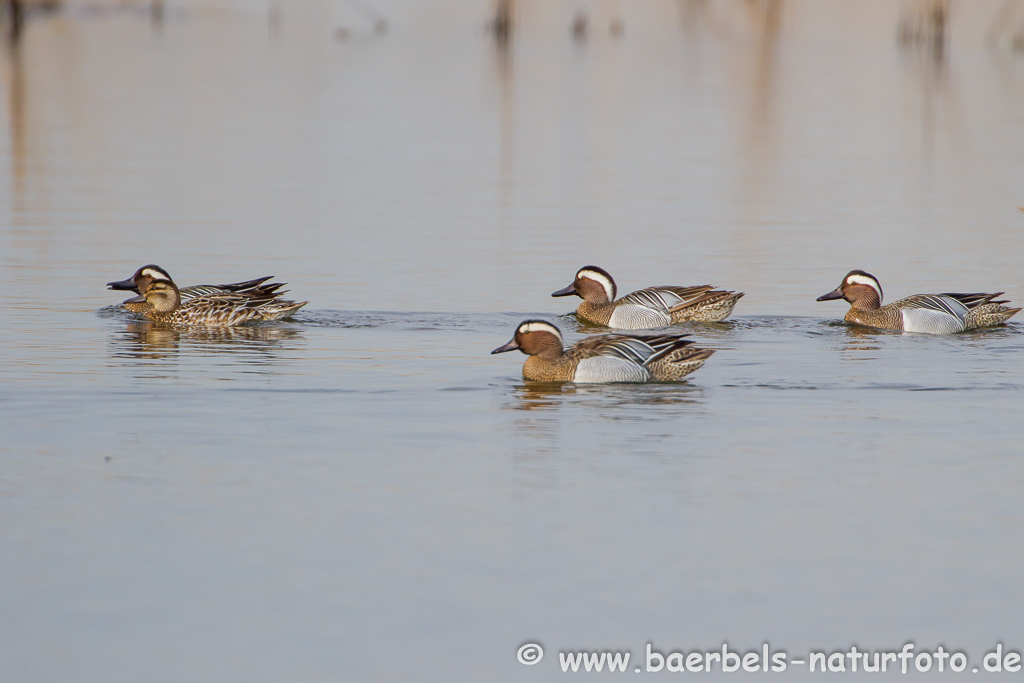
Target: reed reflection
16 112
751 31
503 27
16 19
923 34
762 135
1007 26
924 23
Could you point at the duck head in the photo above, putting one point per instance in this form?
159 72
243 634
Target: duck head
535 338
153 283
591 284
138 281
859 288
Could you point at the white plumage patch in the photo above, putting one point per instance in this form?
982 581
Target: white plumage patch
154 274
609 369
634 317
864 280
604 280
931 322
538 326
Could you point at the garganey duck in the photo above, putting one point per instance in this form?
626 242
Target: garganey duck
209 305
605 357
931 313
648 308
138 304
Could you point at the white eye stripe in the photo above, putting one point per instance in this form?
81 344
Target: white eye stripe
155 274
602 279
540 327
863 280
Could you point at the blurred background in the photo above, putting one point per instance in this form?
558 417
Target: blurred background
364 493
763 141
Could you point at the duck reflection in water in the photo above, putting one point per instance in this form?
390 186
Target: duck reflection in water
857 339
155 341
608 400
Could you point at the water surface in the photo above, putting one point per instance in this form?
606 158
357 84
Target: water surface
364 493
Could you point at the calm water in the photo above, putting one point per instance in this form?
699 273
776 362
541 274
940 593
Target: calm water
364 493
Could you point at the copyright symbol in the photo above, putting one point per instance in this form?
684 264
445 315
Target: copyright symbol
530 654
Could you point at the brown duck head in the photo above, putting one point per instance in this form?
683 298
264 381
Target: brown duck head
859 288
591 284
535 338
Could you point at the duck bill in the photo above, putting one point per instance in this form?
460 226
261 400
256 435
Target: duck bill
128 285
511 346
836 293
565 291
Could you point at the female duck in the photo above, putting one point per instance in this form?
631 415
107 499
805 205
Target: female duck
647 308
221 309
603 358
930 313
138 304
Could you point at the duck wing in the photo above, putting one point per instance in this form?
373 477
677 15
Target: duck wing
248 287
639 349
937 303
976 299
932 313
666 297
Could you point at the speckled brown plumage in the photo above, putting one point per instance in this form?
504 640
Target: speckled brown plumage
226 309
138 304
714 305
211 306
679 363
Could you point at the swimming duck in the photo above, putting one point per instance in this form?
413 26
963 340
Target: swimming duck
647 308
605 357
164 302
138 304
931 313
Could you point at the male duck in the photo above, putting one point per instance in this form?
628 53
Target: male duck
138 304
605 357
647 308
931 313
210 306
